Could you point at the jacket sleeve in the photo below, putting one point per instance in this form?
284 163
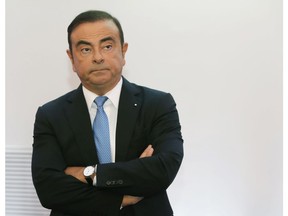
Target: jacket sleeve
160 125
55 189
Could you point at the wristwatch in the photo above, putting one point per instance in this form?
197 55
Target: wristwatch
88 172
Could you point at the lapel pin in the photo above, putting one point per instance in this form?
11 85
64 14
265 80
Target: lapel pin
135 105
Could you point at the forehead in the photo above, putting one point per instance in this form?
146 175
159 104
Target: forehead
95 30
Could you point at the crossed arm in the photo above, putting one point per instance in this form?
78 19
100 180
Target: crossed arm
77 172
54 147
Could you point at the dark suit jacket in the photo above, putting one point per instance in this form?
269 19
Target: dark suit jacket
63 137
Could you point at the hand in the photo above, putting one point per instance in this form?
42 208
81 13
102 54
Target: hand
147 152
77 172
130 200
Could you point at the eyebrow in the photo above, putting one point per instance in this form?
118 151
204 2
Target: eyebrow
107 39
83 42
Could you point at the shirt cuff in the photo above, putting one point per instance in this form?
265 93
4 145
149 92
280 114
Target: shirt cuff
95 179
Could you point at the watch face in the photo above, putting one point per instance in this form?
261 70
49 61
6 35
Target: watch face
88 171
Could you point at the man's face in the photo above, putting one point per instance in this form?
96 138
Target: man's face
97 55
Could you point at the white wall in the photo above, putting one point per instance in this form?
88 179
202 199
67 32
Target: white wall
222 62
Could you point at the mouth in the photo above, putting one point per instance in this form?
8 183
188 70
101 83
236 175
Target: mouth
99 70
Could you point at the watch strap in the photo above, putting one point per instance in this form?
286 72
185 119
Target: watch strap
89 180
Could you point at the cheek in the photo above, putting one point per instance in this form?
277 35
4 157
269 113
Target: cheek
123 62
75 67
120 60
79 65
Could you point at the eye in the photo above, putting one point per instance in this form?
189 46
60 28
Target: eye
85 50
108 47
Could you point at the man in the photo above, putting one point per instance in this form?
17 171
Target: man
145 147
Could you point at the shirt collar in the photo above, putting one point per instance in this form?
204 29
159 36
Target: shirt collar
113 95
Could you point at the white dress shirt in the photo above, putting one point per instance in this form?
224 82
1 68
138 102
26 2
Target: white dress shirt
111 109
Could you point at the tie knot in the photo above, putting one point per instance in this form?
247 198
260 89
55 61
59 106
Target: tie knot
100 100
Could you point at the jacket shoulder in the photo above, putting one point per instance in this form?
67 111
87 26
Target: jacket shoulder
148 91
60 101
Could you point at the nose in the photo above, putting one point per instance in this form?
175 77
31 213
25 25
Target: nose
98 58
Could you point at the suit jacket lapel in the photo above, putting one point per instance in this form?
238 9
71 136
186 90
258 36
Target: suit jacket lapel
129 106
79 118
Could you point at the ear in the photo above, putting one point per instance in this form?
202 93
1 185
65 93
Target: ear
124 50
70 55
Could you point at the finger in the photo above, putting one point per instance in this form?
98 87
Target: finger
150 152
137 199
147 152
130 200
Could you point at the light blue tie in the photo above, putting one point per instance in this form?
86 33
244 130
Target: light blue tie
101 132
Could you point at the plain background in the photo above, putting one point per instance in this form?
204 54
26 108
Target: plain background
222 62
